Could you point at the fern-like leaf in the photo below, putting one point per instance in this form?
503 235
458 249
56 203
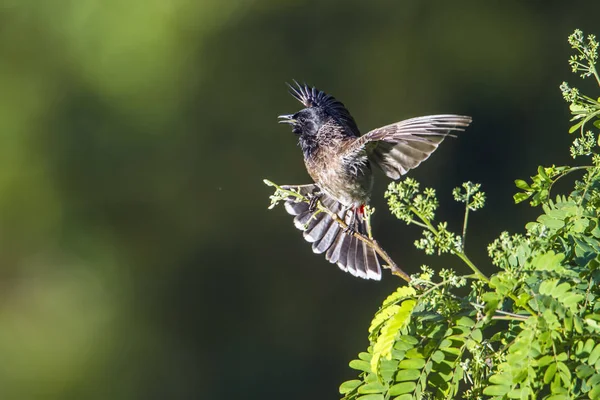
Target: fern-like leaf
385 342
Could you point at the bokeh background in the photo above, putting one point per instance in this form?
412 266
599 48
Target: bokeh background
138 259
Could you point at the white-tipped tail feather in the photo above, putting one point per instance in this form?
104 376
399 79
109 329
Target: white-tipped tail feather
319 228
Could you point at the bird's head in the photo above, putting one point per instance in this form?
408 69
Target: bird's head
305 122
320 108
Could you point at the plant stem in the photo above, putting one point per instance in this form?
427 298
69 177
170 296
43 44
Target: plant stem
466 219
476 270
426 221
595 74
480 275
507 317
525 306
503 314
565 173
417 223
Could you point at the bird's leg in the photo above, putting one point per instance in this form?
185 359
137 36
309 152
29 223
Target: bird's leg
313 199
352 227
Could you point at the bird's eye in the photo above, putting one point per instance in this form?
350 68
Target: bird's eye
302 118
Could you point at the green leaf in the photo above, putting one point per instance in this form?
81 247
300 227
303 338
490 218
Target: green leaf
491 300
565 374
580 225
577 108
594 355
402 292
575 127
401 388
572 300
589 346
496 390
583 371
405 397
577 324
521 196
523 392
477 335
438 356
568 323
594 380
370 378
374 387
594 394
408 375
548 286
550 222
373 396
360 365
521 184
414 353
428 366
545 360
349 386
556 385
465 321
549 374
382 316
500 378
412 363
385 342
542 173
411 340
548 261
593 324
389 309
559 397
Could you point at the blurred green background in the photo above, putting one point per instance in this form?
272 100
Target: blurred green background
138 257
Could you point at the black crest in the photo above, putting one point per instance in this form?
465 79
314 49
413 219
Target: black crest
312 97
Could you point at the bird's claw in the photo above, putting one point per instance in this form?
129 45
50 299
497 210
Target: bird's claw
352 227
349 230
313 199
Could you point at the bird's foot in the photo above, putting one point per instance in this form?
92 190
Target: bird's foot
313 199
351 229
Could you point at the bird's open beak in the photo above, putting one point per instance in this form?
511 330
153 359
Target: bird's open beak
286 119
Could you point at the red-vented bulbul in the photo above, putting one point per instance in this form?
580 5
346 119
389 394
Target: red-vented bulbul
339 159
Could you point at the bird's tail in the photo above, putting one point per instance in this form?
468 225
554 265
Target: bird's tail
319 228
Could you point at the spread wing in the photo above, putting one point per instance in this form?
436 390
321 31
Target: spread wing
402 146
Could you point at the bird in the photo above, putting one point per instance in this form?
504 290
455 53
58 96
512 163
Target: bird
340 161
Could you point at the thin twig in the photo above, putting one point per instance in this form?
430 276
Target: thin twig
503 314
565 173
465 222
507 318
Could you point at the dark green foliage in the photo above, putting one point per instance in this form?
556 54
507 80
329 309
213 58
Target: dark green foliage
531 330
